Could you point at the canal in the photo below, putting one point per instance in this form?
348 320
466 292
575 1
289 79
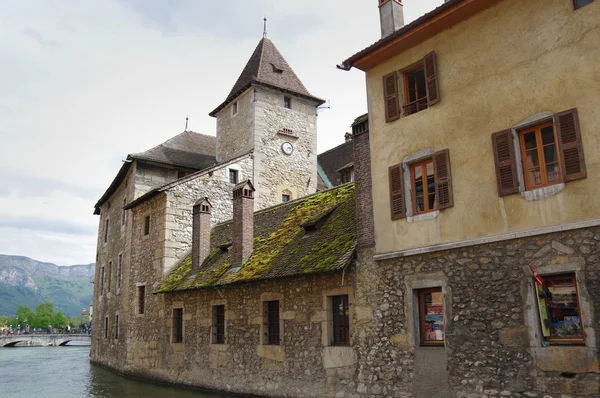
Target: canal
67 372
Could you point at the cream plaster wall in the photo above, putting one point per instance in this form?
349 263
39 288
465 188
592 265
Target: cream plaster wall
511 61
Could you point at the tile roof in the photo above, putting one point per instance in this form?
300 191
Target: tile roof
267 67
309 235
188 150
334 159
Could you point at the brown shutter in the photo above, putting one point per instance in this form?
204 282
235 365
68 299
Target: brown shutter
390 93
431 79
443 179
569 145
398 208
506 167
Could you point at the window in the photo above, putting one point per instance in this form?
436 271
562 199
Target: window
423 186
102 281
117 327
146 225
272 322
287 102
106 327
581 3
233 176
234 109
109 274
120 271
415 91
341 320
539 156
347 175
218 327
558 302
124 213
430 186
106 231
177 329
431 316
285 198
421 89
550 153
141 299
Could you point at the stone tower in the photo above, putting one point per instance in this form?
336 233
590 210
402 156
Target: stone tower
269 112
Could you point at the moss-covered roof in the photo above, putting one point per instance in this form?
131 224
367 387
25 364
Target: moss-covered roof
310 235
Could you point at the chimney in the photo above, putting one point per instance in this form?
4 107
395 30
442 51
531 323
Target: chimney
391 16
243 221
200 233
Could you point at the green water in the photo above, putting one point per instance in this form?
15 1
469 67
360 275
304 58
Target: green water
67 372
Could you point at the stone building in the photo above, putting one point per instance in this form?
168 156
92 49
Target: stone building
508 90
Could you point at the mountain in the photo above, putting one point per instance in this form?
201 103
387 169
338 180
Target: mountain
24 281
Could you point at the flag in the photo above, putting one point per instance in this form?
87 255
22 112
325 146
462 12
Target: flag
538 279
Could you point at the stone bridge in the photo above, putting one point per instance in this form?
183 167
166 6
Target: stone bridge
41 339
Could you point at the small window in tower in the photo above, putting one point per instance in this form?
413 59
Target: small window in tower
287 102
234 109
285 198
233 176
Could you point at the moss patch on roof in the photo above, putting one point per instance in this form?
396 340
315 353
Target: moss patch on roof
313 234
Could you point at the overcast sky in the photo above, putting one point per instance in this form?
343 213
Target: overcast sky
83 83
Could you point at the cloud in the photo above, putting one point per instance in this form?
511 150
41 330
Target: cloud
37 36
48 225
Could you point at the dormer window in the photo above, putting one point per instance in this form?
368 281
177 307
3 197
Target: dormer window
287 102
234 109
277 69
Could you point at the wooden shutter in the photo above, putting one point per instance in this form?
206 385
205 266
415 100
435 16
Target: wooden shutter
506 167
390 93
570 149
431 79
443 179
396 176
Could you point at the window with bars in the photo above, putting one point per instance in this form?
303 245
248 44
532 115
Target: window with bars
431 316
558 304
177 327
271 320
218 327
341 320
141 299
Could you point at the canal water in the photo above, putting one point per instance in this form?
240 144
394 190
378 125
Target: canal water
67 372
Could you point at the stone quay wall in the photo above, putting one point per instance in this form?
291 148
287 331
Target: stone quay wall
493 344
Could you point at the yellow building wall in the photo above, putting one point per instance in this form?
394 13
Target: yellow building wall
513 60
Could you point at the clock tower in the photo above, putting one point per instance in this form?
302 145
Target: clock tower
270 113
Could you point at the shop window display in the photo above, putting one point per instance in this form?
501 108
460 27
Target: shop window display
558 303
431 316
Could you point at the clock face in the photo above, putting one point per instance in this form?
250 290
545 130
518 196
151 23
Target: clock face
287 148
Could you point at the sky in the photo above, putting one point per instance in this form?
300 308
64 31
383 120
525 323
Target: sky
84 83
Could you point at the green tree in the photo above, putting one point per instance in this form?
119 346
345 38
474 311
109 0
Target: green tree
59 320
44 315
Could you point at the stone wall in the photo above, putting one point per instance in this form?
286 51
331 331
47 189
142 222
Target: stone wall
235 133
149 176
275 171
301 366
493 345
364 200
213 184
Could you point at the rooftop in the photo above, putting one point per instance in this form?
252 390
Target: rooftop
314 234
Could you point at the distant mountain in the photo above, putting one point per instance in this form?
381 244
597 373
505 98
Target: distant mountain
24 281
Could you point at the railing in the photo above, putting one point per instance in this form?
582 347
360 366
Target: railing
415 106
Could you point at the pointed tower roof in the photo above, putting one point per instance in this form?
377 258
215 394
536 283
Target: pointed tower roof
267 67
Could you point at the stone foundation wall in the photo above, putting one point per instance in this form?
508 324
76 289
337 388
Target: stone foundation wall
493 341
